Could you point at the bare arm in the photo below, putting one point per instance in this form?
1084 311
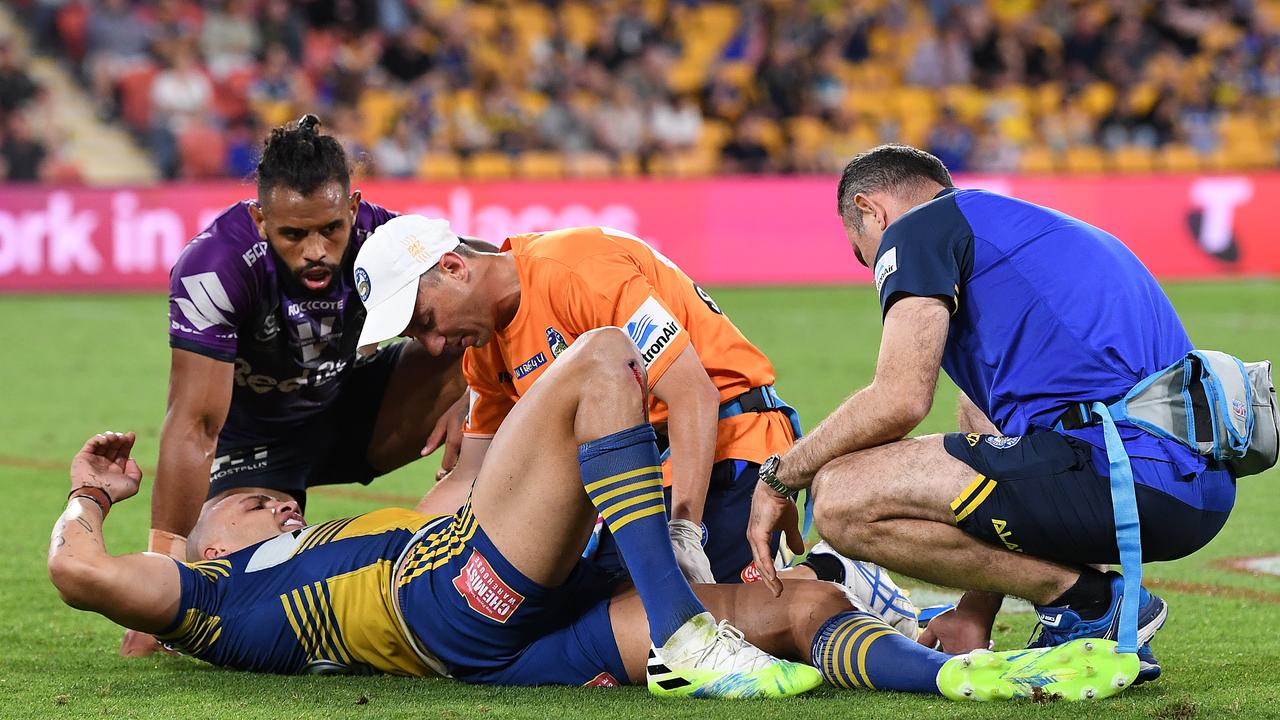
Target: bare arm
199 396
450 491
972 420
141 591
898 398
693 405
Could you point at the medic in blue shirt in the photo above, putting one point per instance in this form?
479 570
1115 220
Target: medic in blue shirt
1030 312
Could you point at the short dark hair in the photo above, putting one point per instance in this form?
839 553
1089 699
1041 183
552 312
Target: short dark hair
887 167
298 157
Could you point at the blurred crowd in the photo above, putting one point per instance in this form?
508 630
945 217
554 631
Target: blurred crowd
30 146
545 88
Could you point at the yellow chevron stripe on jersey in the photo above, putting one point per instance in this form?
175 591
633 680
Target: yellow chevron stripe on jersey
196 634
212 569
445 548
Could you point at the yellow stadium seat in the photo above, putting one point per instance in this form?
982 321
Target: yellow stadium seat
915 104
540 165
530 20
1084 159
1038 160
739 74
589 165
1047 99
967 101
482 19
1240 129
715 134
274 112
1250 156
1179 158
771 135
580 23
628 165
489 166
1133 159
807 133
379 107
693 163
440 166
1098 98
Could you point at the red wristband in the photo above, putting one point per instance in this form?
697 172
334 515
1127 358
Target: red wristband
95 494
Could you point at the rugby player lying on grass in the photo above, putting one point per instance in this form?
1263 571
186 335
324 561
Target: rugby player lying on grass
497 594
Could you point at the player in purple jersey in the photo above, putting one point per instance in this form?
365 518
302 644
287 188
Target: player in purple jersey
266 391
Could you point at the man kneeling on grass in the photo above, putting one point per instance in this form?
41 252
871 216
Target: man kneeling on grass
469 596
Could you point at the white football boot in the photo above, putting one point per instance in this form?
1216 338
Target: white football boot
870 589
705 659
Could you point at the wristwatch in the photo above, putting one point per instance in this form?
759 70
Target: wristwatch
769 476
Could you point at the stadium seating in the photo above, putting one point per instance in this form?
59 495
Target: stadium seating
818 80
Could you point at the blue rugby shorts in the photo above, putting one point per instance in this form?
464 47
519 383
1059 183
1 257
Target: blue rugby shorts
491 625
1044 494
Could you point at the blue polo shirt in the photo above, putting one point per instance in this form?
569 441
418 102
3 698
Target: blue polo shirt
1047 311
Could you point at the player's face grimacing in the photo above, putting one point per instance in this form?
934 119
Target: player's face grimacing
309 232
448 316
244 519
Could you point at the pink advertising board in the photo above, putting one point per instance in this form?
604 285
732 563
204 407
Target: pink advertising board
728 231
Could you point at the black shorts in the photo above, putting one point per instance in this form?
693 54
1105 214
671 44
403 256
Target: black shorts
1041 494
328 449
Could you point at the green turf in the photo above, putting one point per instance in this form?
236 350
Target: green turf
74 366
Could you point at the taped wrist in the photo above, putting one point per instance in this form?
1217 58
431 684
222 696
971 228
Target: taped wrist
167 543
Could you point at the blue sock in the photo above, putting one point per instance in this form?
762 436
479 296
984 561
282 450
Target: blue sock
623 477
857 649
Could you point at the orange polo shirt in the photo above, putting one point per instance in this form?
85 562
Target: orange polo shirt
579 279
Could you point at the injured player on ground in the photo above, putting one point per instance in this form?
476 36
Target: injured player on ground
498 593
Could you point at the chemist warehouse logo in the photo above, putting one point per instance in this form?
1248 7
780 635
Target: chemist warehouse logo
652 329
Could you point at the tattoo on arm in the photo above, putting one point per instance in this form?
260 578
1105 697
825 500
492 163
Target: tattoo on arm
85 524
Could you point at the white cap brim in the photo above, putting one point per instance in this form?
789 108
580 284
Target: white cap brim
390 317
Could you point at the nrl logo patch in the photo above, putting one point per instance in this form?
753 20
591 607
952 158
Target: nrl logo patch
362 284
1240 409
556 342
1002 442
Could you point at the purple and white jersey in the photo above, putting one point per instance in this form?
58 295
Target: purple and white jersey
227 302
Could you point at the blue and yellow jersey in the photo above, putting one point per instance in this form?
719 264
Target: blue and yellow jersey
319 599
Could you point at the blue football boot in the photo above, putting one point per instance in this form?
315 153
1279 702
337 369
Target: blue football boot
1060 625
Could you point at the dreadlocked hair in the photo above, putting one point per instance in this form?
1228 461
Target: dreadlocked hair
298 157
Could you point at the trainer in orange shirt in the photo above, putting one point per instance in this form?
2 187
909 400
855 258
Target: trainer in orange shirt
516 310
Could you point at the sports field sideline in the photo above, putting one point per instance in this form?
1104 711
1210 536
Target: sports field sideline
76 365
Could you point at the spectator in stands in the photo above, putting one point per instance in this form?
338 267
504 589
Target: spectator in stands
175 28
470 77
746 153
16 86
229 38
22 153
674 124
951 141
562 125
243 143
398 154
941 58
619 123
407 56
280 24
118 42
180 96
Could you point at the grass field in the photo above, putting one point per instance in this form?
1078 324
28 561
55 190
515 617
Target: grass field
74 366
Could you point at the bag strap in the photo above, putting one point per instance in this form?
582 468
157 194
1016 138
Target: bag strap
1124 508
